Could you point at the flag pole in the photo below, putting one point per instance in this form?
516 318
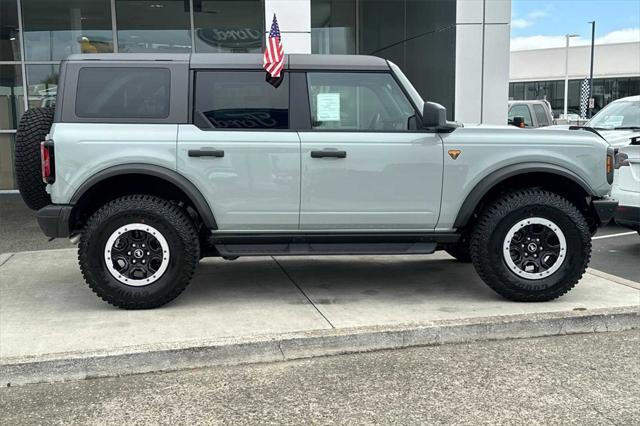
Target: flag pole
593 39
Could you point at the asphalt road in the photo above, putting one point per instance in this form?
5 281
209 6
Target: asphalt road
19 231
580 379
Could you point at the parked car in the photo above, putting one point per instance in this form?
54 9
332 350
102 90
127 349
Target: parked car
626 185
153 162
617 122
533 113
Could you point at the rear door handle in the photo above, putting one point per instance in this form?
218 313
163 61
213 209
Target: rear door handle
329 153
206 153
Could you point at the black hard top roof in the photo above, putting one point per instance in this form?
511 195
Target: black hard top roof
245 60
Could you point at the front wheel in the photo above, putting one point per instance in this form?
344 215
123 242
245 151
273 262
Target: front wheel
531 246
139 251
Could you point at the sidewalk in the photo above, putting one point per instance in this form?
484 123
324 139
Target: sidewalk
52 327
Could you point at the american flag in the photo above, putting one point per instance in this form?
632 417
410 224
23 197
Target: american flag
274 55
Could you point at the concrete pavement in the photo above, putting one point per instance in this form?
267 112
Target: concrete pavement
588 379
52 327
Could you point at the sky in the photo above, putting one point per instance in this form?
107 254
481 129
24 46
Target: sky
538 24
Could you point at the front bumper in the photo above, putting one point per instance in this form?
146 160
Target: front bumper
628 216
605 209
54 220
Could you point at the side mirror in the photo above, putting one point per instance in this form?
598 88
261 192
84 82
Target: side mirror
434 115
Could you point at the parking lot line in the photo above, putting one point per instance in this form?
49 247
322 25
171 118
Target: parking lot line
621 234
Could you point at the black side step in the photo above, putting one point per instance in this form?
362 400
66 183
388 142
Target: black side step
317 243
297 249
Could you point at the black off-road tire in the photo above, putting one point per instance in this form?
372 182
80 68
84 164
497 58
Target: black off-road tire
172 221
489 235
33 128
461 250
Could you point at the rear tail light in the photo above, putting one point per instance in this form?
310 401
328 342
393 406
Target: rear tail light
46 161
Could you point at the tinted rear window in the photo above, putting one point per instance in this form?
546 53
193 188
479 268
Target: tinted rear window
123 93
241 100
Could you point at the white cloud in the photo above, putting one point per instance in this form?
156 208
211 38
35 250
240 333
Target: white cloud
537 14
545 42
520 23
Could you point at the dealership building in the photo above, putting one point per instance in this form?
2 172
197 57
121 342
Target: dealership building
456 52
540 74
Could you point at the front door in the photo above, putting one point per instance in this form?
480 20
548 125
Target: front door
240 152
365 163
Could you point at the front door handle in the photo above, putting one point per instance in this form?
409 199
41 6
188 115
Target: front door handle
206 153
329 153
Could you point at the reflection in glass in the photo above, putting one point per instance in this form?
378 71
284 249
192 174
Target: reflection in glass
241 100
152 26
11 96
7 178
333 26
606 90
42 85
67 27
228 25
9 31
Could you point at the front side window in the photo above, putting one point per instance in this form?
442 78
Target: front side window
541 115
521 111
358 101
241 100
112 92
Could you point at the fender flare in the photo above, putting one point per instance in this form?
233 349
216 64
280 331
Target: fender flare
494 178
171 176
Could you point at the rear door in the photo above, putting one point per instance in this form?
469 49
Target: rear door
365 163
240 152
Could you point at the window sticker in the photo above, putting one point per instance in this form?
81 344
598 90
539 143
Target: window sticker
328 107
614 120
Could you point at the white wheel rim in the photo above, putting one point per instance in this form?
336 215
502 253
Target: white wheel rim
518 246
133 256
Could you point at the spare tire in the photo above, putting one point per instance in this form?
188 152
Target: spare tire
33 129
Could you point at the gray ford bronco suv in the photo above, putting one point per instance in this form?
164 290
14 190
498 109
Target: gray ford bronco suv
154 162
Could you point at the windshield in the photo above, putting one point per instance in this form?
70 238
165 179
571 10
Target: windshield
404 81
616 115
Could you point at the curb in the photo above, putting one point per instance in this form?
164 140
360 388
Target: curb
196 354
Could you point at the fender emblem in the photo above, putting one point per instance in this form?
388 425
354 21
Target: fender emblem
454 153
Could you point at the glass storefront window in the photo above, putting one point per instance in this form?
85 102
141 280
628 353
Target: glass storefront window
605 91
7 179
333 26
56 29
42 85
9 31
11 96
228 25
153 26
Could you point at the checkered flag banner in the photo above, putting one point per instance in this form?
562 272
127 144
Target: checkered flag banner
584 97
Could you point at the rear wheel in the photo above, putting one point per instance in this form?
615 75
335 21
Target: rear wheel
531 245
33 129
139 251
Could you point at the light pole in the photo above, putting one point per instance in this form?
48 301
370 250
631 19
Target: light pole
593 40
566 75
